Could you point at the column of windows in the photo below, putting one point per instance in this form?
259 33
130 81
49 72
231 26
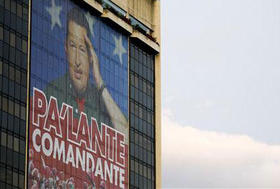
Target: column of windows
142 124
13 78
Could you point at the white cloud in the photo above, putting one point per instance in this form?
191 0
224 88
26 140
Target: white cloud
199 158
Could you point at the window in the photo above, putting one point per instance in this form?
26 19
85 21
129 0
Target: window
21 162
23 78
16 144
22 113
10 141
15 179
21 181
24 46
9 176
25 14
3 139
11 73
7 4
6 36
16 110
19 10
3 154
1 33
11 107
2 173
22 146
12 39
17 76
13 6
4 104
1 67
18 42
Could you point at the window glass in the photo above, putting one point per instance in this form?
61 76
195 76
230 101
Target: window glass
13 6
21 162
11 107
15 159
2 173
3 154
6 36
24 46
18 76
1 67
16 126
25 13
131 179
136 168
22 146
18 42
132 165
4 120
22 128
15 179
16 144
12 39
7 4
19 10
11 73
10 141
3 139
9 176
21 181
1 33
23 78
16 110
23 98
12 57
22 113
5 69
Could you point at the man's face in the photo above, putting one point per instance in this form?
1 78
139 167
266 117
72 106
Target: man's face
77 56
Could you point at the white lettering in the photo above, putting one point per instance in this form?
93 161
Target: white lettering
47 136
35 133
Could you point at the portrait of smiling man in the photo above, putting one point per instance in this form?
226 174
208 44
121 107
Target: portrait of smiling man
75 88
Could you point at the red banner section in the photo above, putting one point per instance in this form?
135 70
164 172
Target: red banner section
68 152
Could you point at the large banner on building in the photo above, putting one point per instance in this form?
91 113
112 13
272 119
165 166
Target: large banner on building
78 116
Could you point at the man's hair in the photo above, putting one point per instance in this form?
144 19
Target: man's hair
76 15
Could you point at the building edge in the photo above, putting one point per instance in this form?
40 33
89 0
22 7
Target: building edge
157 35
28 94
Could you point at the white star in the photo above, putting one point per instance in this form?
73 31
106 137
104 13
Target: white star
119 49
91 21
54 11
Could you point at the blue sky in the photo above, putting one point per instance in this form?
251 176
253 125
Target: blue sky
220 79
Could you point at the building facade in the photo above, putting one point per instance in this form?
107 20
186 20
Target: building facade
80 94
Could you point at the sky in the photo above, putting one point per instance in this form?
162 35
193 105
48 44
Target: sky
220 93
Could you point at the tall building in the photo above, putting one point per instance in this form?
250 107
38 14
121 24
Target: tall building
80 94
